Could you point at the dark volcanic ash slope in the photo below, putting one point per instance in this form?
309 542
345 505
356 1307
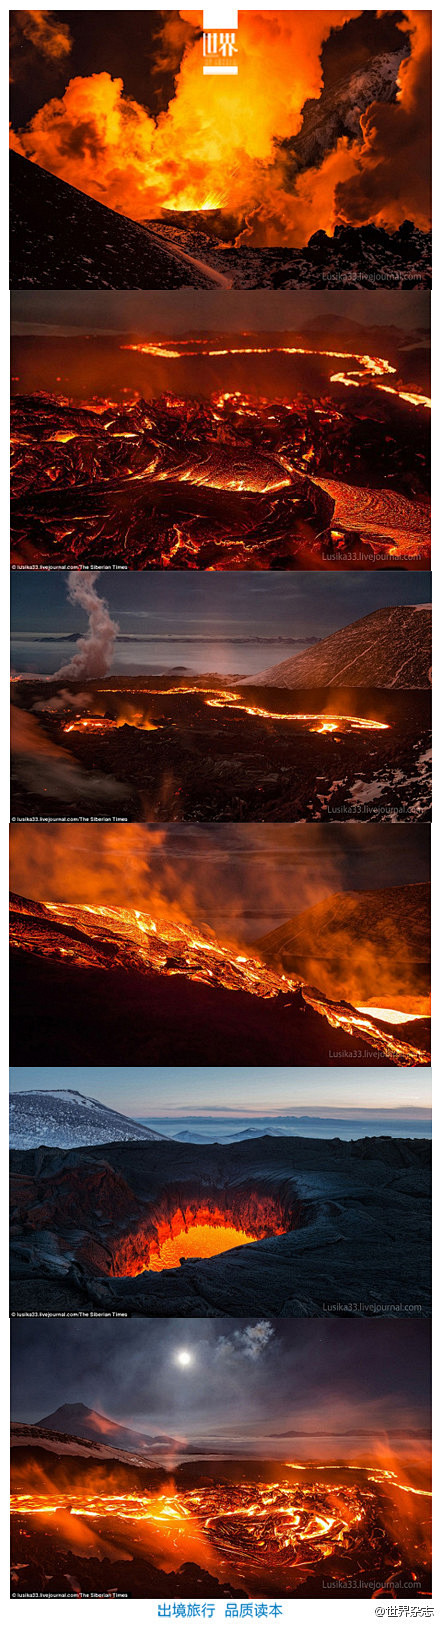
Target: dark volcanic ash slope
61 238
391 647
64 1117
354 1217
374 943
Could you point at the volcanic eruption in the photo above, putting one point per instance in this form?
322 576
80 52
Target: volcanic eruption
316 152
219 1505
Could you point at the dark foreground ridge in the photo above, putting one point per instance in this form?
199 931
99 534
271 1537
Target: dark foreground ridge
353 1216
61 238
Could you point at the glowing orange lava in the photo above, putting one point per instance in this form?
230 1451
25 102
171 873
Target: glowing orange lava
200 1241
175 948
224 699
368 369
101 725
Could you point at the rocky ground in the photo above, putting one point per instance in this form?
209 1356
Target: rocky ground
357 1217
204 764
61 238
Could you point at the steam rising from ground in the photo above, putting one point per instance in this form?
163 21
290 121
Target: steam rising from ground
42 767
93 655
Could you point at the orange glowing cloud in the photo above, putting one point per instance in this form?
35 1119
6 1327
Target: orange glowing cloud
218 144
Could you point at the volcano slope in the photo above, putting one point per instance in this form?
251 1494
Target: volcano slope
376 942
61 238
330 1227
109 986
395 642
201 753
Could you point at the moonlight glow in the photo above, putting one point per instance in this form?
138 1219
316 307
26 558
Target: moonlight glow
183 1357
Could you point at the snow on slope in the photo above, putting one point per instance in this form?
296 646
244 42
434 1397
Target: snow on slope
391 648
65 1118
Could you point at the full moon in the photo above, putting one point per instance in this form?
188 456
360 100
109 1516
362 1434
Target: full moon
183 1358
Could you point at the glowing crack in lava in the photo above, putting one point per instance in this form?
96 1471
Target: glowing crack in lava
368 368
223 699
227 481
128 939
324 1525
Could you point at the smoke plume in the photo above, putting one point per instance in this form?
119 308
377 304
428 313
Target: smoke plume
93 655
43 768
222 143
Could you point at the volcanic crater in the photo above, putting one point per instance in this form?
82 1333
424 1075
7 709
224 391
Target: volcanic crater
285 1226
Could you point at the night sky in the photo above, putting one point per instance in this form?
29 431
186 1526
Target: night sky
248 1386
226 1091
218 604
120 42
187 311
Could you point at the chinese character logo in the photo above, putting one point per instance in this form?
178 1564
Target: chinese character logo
219 51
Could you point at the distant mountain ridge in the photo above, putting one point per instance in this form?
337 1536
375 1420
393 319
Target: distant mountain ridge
66 1118
390 648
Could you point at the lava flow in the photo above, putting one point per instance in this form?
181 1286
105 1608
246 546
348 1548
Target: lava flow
293 1532
368 369
223 699
201 1228
225 482
129 939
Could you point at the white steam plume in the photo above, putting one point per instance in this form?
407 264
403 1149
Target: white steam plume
93 654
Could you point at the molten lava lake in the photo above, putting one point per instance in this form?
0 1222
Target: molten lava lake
201 1241
200 1229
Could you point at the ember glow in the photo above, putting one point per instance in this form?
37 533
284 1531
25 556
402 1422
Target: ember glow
100 725
133 939
210 149
199 1229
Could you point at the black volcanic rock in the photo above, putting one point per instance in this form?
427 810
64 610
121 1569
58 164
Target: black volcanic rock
61 238
357 1236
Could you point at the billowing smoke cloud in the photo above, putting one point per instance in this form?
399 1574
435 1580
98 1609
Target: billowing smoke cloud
214 145
43 768
46 32
58 702
393 172
251 1342
93 654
